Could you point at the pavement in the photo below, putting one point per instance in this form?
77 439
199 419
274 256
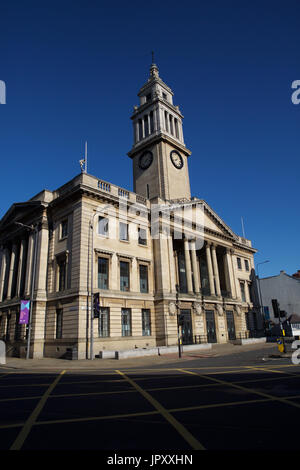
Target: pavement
266 350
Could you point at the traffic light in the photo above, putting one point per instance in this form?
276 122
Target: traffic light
96 305
275 306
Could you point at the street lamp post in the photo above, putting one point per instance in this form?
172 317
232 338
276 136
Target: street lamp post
33 229
177 312
92 224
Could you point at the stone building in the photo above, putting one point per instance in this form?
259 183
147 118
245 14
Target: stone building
90 236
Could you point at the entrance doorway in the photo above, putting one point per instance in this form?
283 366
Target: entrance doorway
210 326
186 327
230 325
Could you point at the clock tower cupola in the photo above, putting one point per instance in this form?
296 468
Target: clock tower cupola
159 155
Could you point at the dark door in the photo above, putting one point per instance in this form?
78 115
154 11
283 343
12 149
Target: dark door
186 327
210 326
230 325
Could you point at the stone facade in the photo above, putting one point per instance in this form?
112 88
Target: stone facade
89 237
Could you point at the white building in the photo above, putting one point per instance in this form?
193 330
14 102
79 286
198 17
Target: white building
284 288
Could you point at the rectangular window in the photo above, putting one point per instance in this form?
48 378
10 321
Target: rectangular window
243 294
148 98
142 236
123 229
126 321
146 322
124 276
64 229
246 265
239 263
102 273
103 226
59 323
103 325
164 96
143 278
61 274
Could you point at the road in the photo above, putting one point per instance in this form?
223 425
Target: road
200 403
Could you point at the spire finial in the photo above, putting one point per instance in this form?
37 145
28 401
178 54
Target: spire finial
154 68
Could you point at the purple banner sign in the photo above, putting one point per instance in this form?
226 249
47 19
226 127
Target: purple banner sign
24 312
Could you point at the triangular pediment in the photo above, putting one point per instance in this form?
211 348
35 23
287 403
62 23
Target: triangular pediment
214 222
19 211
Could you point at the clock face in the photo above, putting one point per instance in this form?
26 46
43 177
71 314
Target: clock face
145 160
176 159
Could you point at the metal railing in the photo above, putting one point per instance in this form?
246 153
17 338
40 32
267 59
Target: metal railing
200 339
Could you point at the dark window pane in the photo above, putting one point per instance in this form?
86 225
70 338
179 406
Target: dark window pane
124 276
146 322
143 278
242 285
64 228
103 322
59 323
61 274
126 321
102 273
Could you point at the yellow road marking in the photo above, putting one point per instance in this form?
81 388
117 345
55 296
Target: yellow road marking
146 413
153 389
291 374
17 445
245 389
192 441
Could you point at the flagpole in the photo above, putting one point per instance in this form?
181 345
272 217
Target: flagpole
85 157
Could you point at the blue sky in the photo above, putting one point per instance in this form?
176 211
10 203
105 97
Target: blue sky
73 69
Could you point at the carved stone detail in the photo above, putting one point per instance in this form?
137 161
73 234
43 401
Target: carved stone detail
172 308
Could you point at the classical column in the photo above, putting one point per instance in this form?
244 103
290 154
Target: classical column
195 267
228 264
4 263
29 261
210 270
154 119
134 277
188 268
11 270
42 259
216 269
20 268
172 265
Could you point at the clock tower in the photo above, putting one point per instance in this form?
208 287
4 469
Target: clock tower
159 155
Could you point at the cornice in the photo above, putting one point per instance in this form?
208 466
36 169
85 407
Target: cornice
158 137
